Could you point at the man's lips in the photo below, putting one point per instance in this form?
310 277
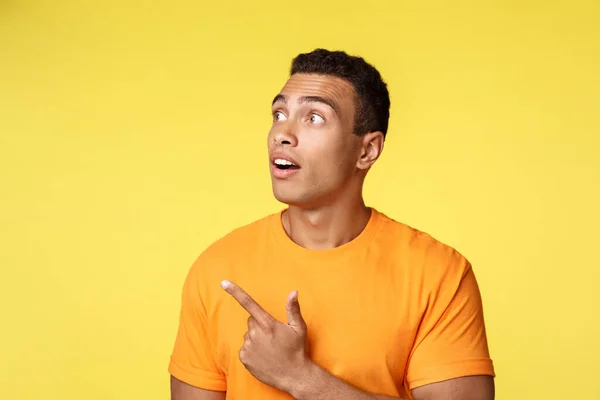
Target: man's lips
280 173
283 159
283 166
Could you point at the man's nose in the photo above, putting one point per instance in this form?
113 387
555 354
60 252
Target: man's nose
286 135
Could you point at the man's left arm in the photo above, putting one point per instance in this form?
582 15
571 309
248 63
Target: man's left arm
318 384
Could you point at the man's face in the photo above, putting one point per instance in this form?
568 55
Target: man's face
313 120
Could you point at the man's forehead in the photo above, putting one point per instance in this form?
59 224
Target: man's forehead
329 86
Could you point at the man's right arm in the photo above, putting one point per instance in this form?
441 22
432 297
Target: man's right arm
193 367
182 391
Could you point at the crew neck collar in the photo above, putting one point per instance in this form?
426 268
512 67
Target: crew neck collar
292 249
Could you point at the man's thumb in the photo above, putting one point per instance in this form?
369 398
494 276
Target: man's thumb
294 315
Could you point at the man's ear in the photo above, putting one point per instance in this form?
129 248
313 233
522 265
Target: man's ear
372 146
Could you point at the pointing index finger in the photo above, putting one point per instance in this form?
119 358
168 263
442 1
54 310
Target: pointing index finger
247 302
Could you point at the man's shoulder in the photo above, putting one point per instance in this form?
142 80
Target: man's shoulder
419 247
407 235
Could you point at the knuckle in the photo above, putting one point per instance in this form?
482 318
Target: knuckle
245 301
269 329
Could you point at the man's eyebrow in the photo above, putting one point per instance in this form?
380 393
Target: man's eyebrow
319 99
280 98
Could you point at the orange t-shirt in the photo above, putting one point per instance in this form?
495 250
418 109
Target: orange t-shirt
389 311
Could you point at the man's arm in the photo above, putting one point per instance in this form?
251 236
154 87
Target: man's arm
193 364
479 387
319 384
182 391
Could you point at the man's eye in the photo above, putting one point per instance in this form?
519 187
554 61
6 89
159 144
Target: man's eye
279 116
316 119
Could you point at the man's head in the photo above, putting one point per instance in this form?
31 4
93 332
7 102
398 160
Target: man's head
330 120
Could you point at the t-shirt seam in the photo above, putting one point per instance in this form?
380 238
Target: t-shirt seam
213 379
439 369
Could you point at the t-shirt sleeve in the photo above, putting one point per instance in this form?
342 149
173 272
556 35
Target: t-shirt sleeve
193 359
451 341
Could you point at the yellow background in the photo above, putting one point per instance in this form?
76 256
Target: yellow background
132 134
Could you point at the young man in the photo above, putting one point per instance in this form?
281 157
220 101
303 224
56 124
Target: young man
328 298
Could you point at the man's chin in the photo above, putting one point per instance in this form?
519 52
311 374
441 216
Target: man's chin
290 199
296 200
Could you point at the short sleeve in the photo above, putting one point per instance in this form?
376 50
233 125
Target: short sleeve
193 357
452 340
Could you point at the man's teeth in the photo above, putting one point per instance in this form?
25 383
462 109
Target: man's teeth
280 161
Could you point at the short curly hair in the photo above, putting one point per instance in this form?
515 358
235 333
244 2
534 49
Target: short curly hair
372 111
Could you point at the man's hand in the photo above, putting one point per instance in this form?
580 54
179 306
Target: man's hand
273 352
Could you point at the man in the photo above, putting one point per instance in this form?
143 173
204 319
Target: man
328 298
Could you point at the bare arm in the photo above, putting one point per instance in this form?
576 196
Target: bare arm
468 388
182 391
319 384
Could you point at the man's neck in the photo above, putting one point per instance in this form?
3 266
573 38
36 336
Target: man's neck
326 227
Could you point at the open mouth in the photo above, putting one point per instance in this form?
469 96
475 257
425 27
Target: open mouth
284 164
